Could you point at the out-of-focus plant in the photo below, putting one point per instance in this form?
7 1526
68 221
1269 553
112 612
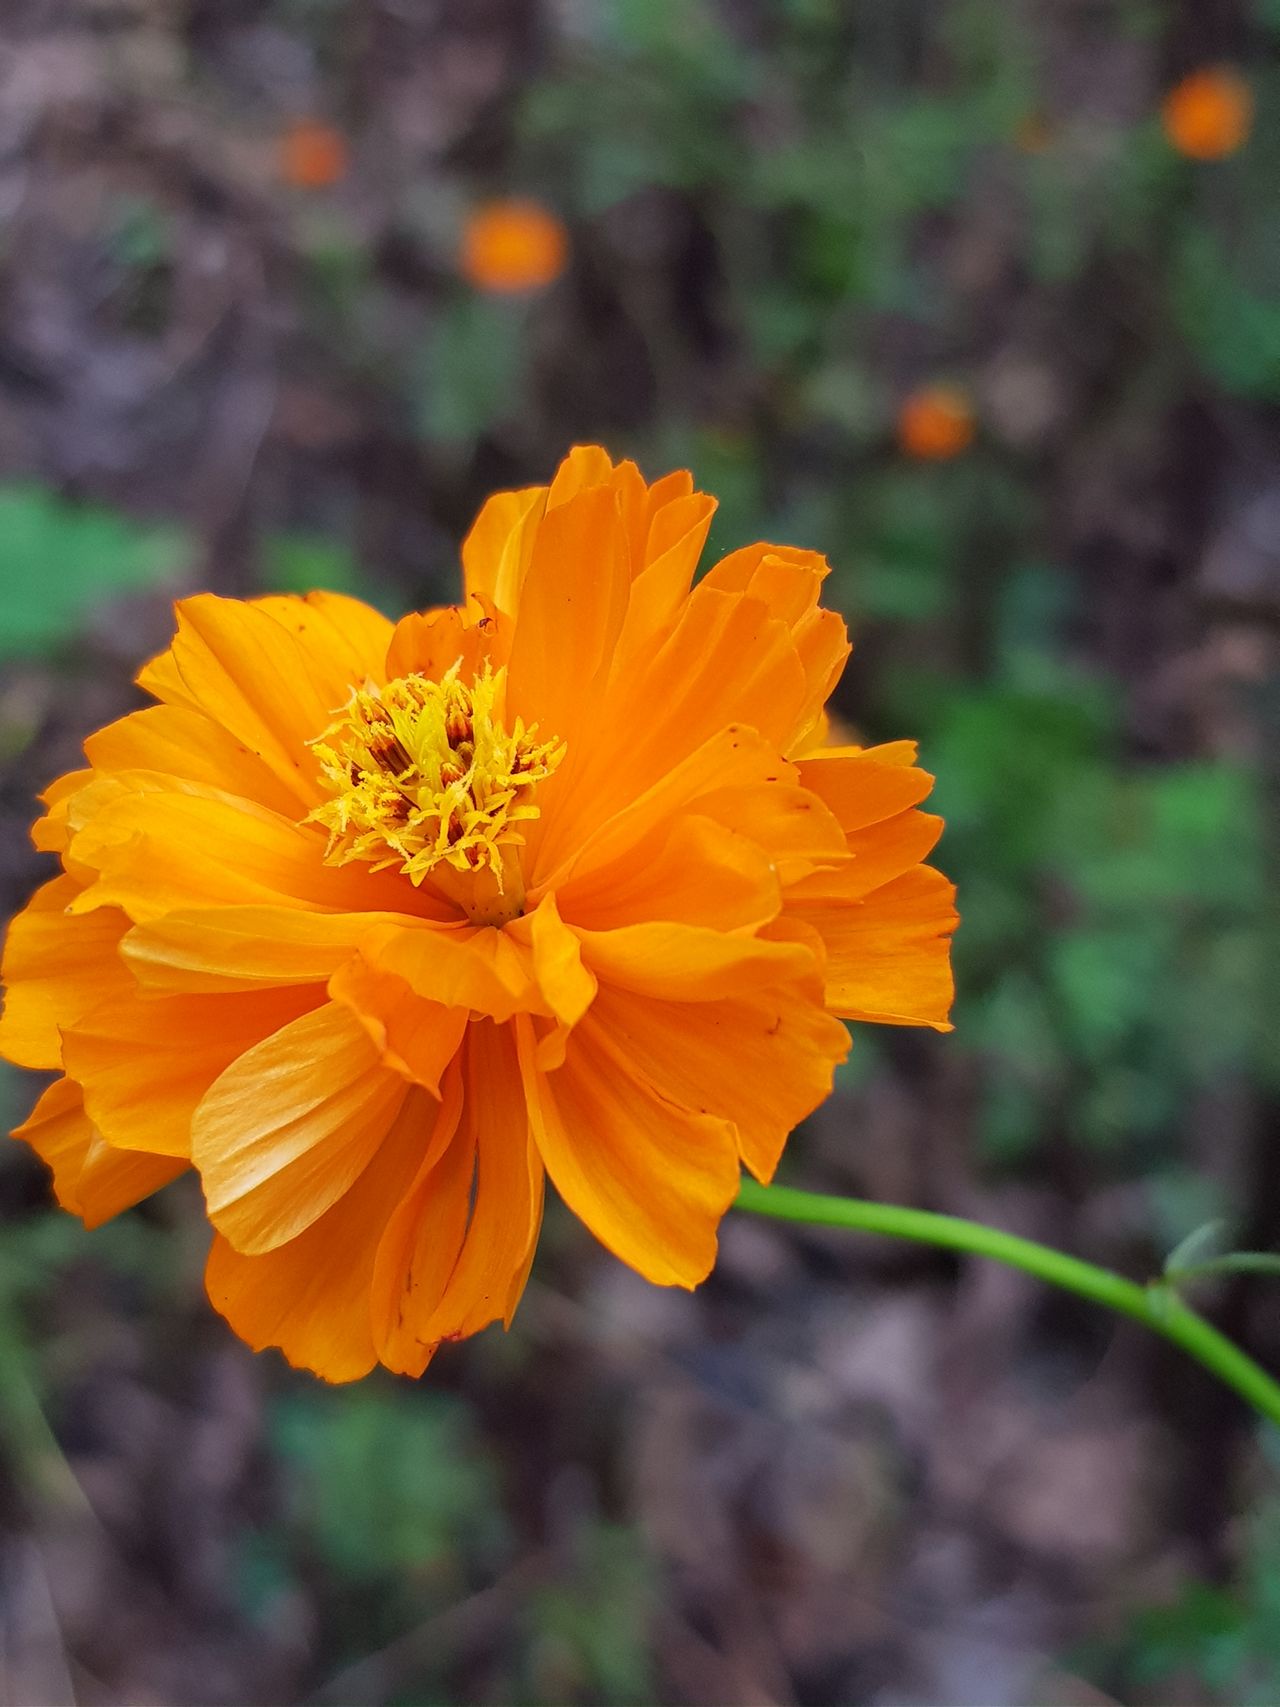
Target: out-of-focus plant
60 561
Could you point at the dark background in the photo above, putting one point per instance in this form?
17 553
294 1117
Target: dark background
844 1471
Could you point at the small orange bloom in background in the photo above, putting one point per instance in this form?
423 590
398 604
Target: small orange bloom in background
376 927
513 245
1208 115
1032 134
313 156
936 422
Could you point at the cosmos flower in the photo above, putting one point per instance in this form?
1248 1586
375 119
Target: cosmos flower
313 156
935 423
513 245
1209 114
376 926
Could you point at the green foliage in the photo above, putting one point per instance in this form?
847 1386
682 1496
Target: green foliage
1221 1643
388 1483
589 1631
59 560
303 562
1227 311
1146 989
472 371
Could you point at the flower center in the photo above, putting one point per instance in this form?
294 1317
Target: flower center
426 779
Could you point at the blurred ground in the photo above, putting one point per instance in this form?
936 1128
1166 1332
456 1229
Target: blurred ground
236 351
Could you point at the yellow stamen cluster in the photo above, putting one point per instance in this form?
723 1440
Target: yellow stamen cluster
424 774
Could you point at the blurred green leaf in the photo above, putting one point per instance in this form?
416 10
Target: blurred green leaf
303 562
1207 1240
388 1485
473 370
591 1629
59 561
1231 320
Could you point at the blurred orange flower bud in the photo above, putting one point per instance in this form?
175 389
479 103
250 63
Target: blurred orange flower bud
1208 115
513 245
935 422
1032 134
313 156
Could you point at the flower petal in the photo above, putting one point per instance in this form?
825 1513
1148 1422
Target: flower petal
216 950
157 852
310 1296
736 778
353 634
496 553
863 785
176 741
90 1178
56 968
727 663
567 986
879 853
421 1297
144 1064
272 673
888 954
789 581
288 1127
571 608
689 963
763 1059
691 869
649 1178
414 1037
460 966
429 643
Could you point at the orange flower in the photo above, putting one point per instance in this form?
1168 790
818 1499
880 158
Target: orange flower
375 926
513 245
1209 114
313 156
1033 134
935 423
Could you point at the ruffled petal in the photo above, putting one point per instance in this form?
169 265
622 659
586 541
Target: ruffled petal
460 966
763 1059
888 954
290 1125
217 950
442 1274
568 987
497 551
310 1297
56 968
571 609
272 673
175 741
735 777
145 1064
877 855
90 1178
414 1037
727 663
789 581
650 1178
689 963
157 851
692 869
864 785
429 643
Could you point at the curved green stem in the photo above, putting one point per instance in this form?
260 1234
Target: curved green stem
1156 1306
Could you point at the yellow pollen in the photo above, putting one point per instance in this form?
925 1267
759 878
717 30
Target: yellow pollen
425 775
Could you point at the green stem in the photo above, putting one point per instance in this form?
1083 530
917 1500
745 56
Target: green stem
1156 1306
